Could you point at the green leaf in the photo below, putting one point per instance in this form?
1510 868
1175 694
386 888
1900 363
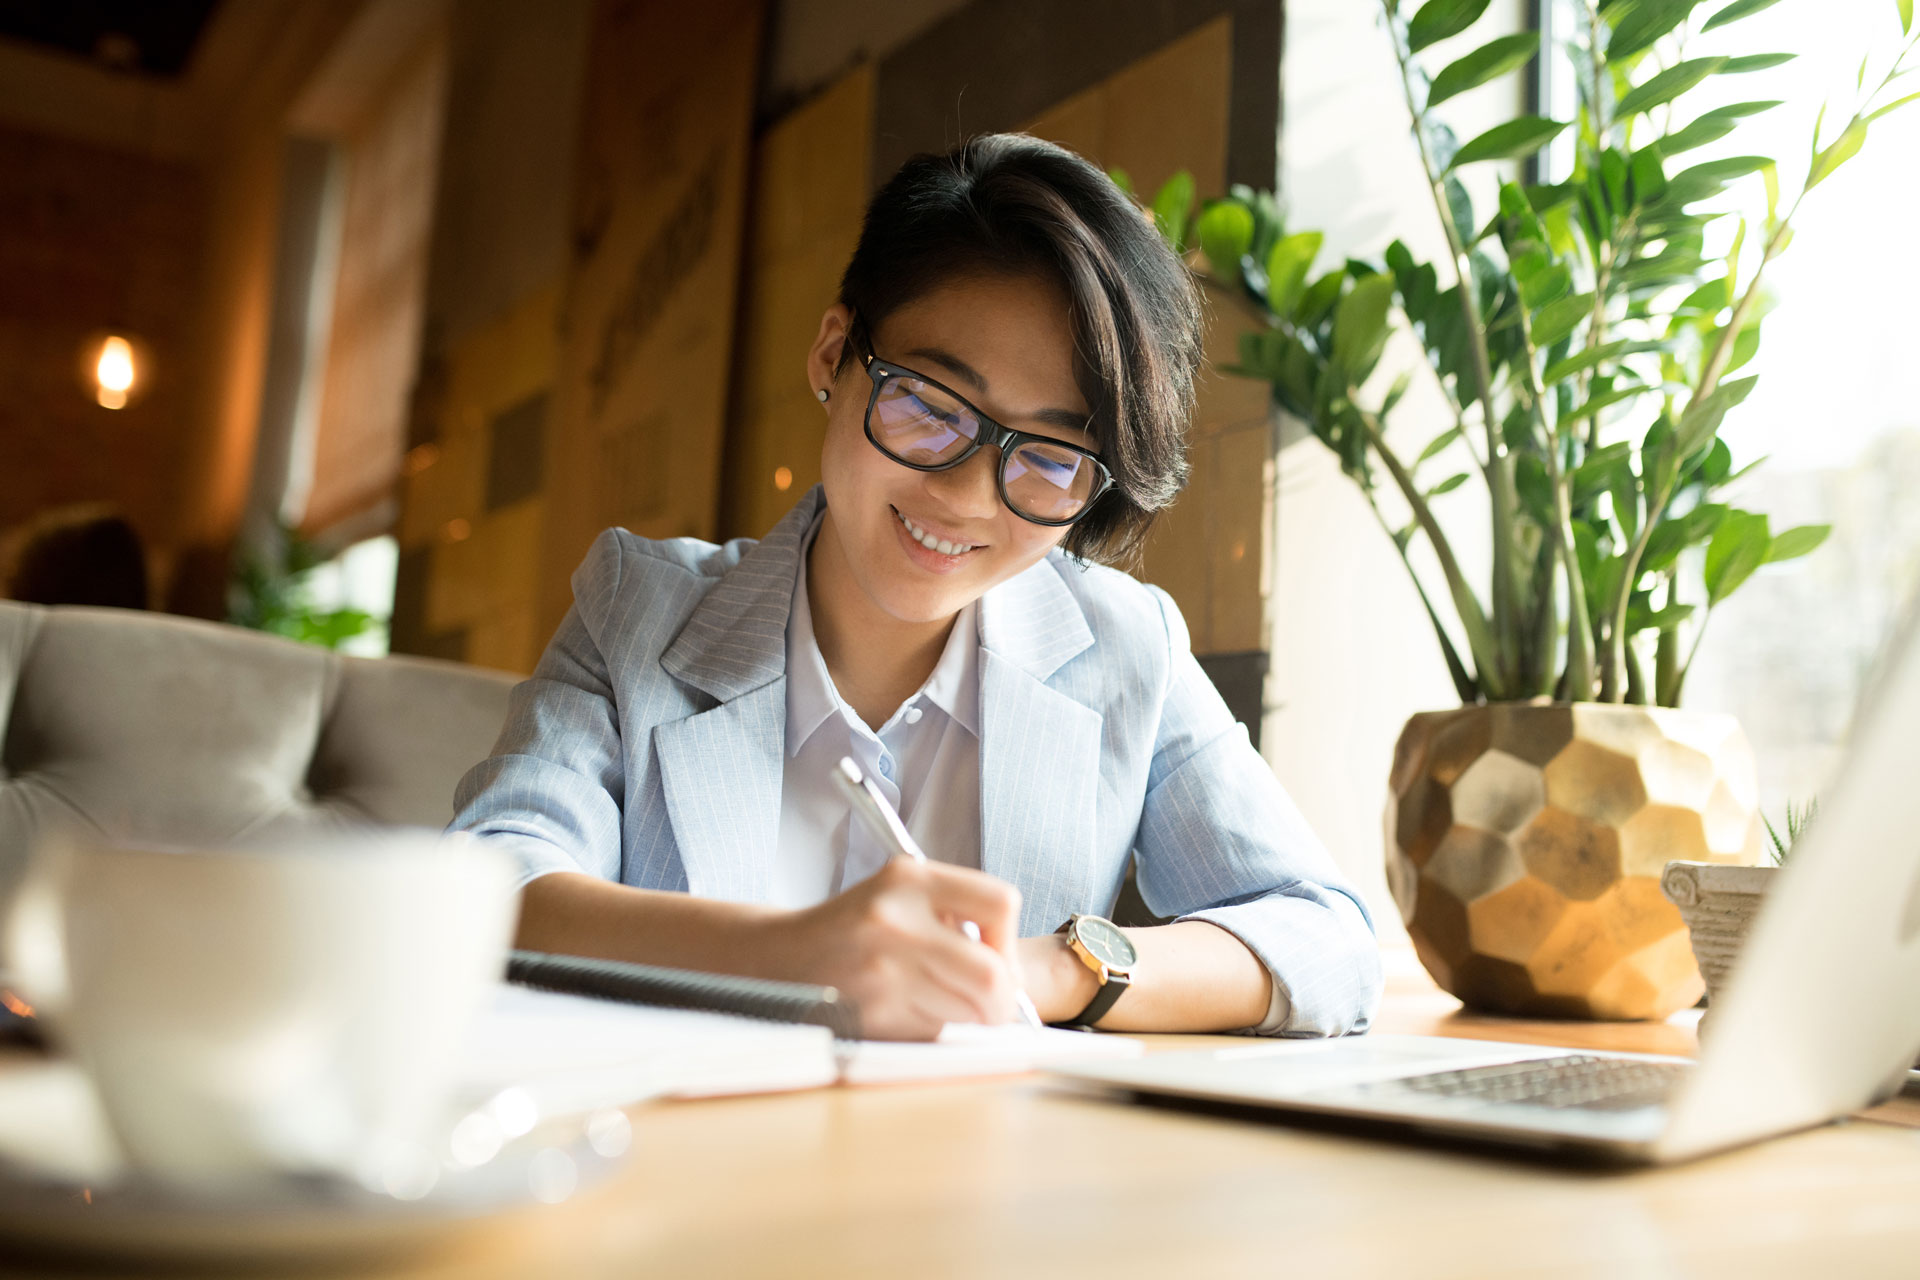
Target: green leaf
1668 85
1438 19
1602 399
1645 23
1702 417
1641 618
1171 207
1755 62
1559 318
1793 543
1703 181
1740 9
1672 536
1438 445
1360 327
1606 351
1541 280
1448 485
1712 126
1287 268
1534 488
1489 62
1225 232
1597 473
1891 106
1319 297
1459 206
1738 548
1906 15
1521 137
1839 153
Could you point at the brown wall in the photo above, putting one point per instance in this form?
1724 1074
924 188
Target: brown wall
92 237
171 187
516 467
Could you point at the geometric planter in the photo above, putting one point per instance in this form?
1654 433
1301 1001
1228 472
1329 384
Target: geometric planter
1526 843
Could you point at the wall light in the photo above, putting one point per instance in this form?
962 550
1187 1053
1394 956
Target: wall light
116 369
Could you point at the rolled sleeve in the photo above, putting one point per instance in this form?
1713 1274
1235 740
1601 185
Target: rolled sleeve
1221 841
550 791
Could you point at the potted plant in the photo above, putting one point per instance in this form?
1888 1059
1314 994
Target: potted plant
1719 903
1588 346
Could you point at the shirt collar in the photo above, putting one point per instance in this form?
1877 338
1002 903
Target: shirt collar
954 685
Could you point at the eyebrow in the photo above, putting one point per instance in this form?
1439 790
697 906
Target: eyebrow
1065 419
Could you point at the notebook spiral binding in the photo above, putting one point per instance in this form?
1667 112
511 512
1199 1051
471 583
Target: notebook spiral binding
688 989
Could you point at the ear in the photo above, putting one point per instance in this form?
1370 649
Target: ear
824 355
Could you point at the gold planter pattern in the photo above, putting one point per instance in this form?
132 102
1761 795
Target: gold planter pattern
1525 844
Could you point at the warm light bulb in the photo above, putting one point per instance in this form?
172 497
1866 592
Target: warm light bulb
114 372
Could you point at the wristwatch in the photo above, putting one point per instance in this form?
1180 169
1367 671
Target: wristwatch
1100 946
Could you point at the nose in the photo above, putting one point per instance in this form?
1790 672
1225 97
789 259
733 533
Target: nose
972 489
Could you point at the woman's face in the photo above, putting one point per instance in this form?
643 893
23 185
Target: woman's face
1006 344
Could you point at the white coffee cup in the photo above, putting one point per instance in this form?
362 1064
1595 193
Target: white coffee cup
296 1009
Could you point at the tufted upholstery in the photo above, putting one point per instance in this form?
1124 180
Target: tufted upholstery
171 731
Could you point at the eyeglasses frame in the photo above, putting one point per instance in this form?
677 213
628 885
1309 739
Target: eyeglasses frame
1001 437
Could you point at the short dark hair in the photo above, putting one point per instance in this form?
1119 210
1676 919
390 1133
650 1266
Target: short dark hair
1008 202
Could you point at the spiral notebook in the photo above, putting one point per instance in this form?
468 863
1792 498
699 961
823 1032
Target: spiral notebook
579 1034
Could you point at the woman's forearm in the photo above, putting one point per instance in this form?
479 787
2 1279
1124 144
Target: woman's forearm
584 915
1191 976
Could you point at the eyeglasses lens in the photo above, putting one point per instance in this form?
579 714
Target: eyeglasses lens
1046 482
922 426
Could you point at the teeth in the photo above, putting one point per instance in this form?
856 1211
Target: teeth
932 543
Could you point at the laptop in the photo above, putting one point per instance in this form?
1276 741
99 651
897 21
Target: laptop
1821 1015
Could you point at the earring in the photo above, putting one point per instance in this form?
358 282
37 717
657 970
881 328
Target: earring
822 395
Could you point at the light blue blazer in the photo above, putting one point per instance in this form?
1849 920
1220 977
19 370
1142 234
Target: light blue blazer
649 744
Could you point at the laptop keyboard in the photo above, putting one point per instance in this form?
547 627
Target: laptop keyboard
1580 1080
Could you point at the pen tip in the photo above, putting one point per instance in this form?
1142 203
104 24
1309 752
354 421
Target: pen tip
851 770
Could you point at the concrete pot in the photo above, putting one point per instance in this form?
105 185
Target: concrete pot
1526 843
1718 904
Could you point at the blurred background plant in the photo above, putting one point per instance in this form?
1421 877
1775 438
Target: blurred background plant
1585 361
1779 846
274 592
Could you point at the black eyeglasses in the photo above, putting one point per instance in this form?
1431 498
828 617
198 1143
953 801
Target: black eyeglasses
921 424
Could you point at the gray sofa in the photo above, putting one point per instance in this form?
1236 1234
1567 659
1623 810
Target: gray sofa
165 730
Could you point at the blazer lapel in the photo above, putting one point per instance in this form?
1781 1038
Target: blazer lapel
721 768
721 772
1039 748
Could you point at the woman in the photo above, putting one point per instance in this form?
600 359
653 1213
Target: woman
930 610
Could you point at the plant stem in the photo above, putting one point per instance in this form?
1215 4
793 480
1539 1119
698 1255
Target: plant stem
1499 476
1463 684
1473 620
1579 621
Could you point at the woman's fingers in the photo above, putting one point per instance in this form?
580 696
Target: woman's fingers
961 893
978 979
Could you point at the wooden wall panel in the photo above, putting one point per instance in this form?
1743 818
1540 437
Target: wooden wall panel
639 411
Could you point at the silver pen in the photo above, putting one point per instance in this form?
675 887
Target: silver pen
871 804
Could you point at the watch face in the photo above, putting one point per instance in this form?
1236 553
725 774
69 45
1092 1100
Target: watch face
1108 945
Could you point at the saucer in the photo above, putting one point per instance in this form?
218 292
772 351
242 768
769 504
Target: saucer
138 1218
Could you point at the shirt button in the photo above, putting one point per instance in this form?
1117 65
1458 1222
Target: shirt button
913 715
886 769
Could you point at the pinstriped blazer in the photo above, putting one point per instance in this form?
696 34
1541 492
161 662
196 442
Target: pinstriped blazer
648 748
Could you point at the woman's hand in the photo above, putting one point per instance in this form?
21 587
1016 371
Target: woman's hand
893 943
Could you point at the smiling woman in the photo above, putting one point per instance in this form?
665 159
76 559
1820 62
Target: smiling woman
935 610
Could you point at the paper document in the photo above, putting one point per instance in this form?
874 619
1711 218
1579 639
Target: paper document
577 1053
966 1050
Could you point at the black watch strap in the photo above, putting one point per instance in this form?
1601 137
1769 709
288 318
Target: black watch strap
1103 1000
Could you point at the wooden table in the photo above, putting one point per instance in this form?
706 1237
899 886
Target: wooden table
1015 1178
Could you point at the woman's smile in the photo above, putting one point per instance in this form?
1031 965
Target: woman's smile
930 548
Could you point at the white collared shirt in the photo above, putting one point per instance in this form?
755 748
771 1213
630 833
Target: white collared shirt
926 758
